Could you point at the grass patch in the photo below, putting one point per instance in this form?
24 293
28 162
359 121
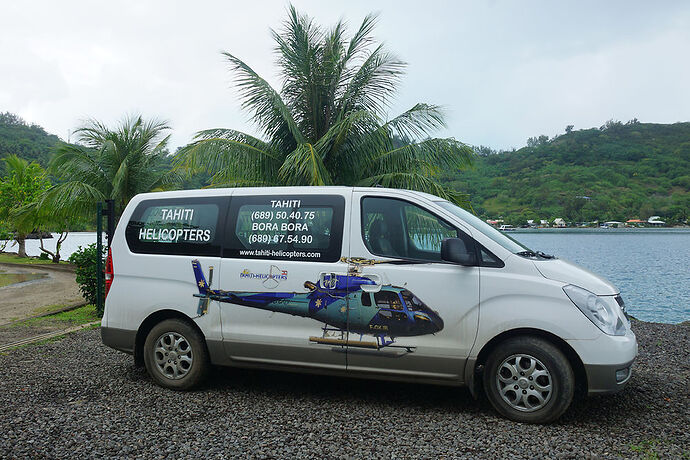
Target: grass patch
49 308
81 315
10 258
646 449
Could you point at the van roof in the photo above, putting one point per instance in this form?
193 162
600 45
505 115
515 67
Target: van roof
280 189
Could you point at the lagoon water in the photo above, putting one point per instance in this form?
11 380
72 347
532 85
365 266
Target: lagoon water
651 267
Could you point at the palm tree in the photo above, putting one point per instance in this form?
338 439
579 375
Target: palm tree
326 125
109 164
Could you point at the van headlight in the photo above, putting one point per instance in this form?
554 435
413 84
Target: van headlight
602 310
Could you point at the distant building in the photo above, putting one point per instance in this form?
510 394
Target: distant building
614 223
558 222
635 222
656 220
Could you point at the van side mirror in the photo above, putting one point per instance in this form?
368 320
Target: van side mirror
454 250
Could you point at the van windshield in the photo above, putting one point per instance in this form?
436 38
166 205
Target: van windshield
504 240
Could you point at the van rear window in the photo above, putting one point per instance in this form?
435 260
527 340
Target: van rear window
301 227
177 226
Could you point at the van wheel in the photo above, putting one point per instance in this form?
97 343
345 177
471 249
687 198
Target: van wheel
528 379
175 355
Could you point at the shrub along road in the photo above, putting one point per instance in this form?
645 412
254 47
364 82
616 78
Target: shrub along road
76 398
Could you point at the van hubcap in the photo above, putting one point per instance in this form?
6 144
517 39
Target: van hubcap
173 355
524 383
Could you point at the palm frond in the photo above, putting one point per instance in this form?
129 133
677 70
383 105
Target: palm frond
418 122
304 166
270 112
73 199
237 154
418 182
430 155
374 83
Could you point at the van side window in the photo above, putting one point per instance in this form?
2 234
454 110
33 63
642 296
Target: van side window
177 226
488 259
399 229
279 227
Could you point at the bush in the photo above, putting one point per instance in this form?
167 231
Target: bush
43 256
86 260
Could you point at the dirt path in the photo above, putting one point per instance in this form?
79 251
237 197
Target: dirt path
30 298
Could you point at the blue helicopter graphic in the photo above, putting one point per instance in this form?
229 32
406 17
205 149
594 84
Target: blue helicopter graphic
343 303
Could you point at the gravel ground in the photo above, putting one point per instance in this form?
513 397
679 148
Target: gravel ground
76 398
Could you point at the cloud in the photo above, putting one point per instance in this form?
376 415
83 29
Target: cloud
505 71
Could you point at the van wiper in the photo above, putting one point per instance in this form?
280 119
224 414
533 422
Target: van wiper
535 254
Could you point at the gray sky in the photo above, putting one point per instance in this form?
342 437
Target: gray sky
505 71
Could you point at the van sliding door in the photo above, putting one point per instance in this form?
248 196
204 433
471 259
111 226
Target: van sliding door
282 267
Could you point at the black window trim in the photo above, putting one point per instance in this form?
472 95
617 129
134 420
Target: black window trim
338 223
222 201
477 245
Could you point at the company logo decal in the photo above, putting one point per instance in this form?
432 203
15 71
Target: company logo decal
270 280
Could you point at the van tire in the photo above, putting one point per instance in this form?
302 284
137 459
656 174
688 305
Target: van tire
524 361
183 342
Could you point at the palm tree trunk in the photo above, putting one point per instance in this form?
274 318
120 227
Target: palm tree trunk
21 242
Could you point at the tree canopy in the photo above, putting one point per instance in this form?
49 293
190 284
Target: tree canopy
327 123
28 141
21 186
109 163
615 172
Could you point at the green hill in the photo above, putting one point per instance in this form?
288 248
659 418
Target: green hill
28 141
617 172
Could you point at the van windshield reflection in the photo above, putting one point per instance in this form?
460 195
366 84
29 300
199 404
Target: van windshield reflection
504 240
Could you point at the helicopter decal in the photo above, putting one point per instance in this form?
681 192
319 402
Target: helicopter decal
355 303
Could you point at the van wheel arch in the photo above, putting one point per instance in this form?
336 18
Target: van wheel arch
474 377
150 322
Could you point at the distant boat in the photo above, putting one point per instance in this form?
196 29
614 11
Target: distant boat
506 228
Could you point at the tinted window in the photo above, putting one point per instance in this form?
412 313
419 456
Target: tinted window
399 229
276 227
177 226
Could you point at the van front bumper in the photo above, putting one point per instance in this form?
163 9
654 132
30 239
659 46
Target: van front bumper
607 378
119 339
607 361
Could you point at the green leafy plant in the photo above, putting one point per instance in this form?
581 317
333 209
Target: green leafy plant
19 188
109 163
328 123
86 259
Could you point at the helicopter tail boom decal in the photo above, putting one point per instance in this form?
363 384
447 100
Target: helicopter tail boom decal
200 278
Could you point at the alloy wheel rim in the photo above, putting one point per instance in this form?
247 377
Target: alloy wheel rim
173 355
524 382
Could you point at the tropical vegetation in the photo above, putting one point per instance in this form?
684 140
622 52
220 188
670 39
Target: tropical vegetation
109 163
618 171
28 141
327 124
85 260
21 185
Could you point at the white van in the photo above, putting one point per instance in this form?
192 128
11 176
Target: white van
361 282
